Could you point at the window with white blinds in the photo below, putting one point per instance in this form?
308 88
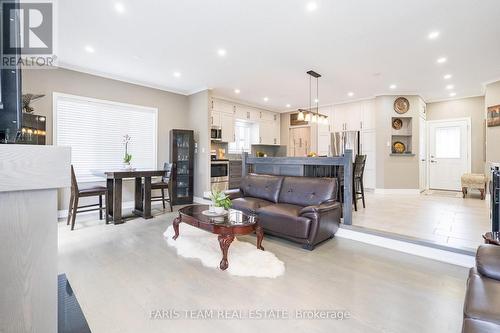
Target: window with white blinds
95 130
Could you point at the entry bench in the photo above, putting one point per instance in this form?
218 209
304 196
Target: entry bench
475 181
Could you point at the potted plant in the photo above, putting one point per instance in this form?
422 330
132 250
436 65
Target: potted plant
220 201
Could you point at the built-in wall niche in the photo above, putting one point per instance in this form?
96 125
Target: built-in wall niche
401 136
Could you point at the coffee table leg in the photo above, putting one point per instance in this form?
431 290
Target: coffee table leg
176 223
260 235
224 242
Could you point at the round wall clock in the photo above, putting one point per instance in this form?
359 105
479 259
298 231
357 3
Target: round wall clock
401 105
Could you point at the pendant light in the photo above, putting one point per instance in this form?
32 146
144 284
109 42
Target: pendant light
310 115
300 116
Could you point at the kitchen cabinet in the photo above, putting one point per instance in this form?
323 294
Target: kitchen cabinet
215 119
248 113
368 148
222 106
227 127
299 143
368 115
355 116
266 133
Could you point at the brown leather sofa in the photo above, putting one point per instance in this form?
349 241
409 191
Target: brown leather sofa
301 209
482 299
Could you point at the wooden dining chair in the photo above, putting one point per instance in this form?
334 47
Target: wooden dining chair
164 184
77 193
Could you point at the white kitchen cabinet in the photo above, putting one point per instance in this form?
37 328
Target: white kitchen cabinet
368 115
227 127
368 148
248 113
323 140
266 115
222 106
276 129
215 119
353 117
266 135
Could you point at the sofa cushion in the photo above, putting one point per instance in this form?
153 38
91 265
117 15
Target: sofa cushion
307 191
249 204
265 187
478 326
482 300
488 261
284 219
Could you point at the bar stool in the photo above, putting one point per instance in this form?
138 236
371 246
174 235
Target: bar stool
77 193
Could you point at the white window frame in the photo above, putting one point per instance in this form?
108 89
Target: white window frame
57 95
239 151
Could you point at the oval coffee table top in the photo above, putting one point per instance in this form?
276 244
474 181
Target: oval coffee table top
233 218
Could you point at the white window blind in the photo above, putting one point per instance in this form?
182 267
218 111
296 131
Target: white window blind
242 136
95 129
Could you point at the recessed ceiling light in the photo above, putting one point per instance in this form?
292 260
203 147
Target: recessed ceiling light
221 52
288 106
447 76
453 94
266 99
89 49
236 91
449 87
441 60
177 74
350 94
433 35
312 6
119 7
393 86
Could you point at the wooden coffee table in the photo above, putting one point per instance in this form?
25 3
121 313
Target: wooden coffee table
234 223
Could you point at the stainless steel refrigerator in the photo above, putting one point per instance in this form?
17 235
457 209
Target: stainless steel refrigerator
342 141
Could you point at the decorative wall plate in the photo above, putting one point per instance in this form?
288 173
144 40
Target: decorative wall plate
398 147
397 123
401 105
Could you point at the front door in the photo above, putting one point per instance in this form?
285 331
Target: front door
449 157
422 155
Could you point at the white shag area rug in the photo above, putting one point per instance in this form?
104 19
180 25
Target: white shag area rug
244 258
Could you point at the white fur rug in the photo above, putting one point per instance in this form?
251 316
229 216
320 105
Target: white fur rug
244 258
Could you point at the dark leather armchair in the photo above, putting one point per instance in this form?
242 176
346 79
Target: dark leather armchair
300 209
482 299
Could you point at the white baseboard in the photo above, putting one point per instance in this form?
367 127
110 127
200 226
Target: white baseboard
397 191
410 248
61 214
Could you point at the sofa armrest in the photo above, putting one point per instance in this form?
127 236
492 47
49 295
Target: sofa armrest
488 261
233 194
321 208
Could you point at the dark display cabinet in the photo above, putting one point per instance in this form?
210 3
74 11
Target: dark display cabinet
33 131
182 158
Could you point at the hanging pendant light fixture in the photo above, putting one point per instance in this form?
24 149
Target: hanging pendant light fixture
312 115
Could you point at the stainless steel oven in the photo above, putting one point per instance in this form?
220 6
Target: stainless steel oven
219 175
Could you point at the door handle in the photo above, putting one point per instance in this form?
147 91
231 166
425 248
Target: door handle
432 161
422 160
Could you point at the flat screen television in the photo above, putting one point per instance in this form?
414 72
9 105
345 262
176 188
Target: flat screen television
10 78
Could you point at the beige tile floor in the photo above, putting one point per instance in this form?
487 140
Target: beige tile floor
122 273
438 216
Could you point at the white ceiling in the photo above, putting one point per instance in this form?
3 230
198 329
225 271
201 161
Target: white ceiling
362 46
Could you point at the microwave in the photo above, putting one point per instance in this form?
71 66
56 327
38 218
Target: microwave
216 134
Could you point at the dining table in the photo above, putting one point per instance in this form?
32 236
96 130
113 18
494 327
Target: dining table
142 192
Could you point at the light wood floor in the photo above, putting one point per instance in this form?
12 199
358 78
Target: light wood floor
122 273
438 216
